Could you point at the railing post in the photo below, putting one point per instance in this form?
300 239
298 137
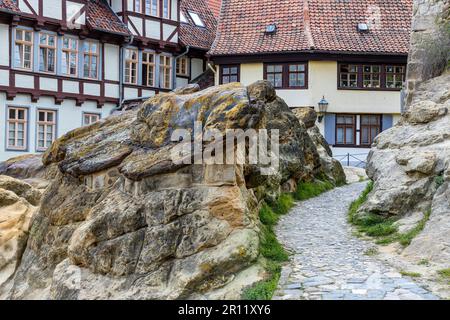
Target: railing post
348 159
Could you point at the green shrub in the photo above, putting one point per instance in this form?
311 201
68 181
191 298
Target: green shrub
270 248
307 190
267 216
410 274
439 181
284 203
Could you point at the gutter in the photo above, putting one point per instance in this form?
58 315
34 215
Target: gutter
174 70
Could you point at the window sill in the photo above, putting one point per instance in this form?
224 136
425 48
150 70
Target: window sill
369 89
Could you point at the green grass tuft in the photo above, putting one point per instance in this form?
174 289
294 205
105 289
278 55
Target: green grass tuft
406 238
410 274
270 248
355 205
264 290
267 216
307 190
445 273
371 252
424 262
284 203
439 181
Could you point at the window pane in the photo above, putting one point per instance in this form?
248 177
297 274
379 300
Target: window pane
364 135
349 135
340 136
41 116
12 113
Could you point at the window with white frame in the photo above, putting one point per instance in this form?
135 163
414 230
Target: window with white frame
183 18
69 59
182 66
151 7
47 52
131 63
46 129
165 72
166 9
196 18
148 69
90 59
16 134
23 49
90 118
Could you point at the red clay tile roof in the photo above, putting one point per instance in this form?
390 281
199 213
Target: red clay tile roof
308 25
99 16
9 5
192 35
214 5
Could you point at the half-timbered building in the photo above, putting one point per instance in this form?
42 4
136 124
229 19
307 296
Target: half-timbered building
69 63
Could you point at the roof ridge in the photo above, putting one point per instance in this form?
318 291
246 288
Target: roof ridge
307 24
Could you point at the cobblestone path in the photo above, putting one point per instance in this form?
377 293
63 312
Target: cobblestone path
328 262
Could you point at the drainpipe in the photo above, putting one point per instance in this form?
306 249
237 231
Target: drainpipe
174 71
121 66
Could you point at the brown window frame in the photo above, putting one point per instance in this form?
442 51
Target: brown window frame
229 66
346 126
45 123
16 121
360 76
369 126
286 72
395 74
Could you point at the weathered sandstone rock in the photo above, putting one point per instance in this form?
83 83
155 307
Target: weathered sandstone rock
18 202
122 220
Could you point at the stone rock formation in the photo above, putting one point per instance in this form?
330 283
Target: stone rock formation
123 220
18 203
331 167
410 163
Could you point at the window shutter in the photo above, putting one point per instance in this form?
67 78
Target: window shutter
387 122
330 128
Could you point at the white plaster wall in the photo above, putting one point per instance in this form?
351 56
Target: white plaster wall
112 62
196 67
323 82
52 9
181 82
112 90
71 86
137 23
152 29
69 117
148 93
92 89
4 48
24 81
49 84
167 31
130 93
23 7
4 78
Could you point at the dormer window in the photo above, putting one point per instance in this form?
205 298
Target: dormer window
183 18
196 18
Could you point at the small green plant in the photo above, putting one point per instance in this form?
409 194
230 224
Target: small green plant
445 273
307 190
410 274
371 251
424 262
406 238
270 248
439 180
355 205
264 290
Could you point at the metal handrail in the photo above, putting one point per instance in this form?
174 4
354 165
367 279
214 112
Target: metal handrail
345 158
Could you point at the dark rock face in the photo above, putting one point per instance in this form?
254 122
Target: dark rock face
123 220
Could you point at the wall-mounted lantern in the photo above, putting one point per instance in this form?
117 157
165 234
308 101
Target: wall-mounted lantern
323 107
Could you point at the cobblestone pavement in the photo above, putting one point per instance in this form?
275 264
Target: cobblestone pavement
328 262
